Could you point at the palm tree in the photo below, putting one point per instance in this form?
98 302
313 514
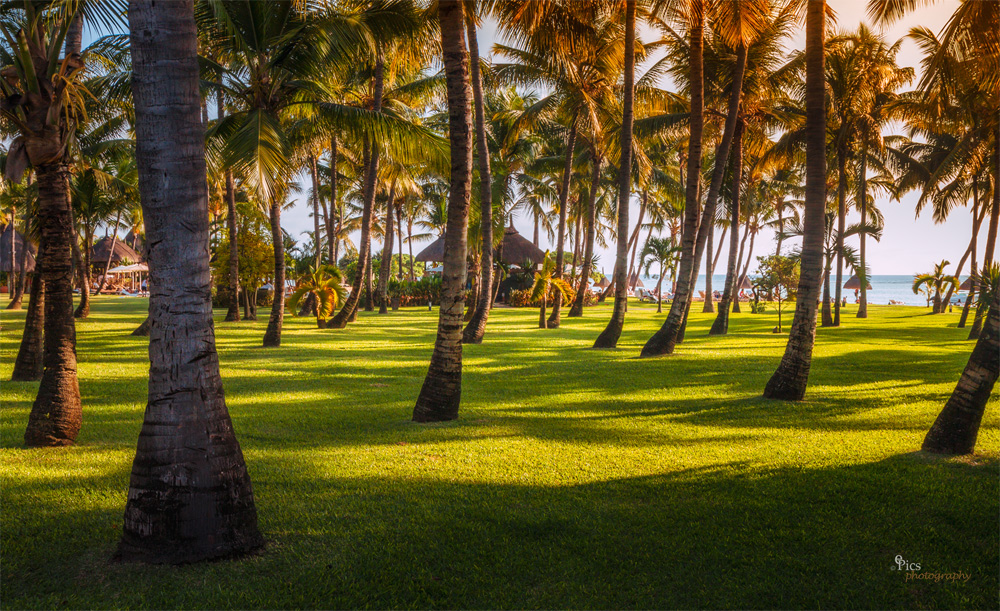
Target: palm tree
609 337
441 392
790 379
546 281
662 252
208 512
957 426
939 281
323 285
474 331
51 100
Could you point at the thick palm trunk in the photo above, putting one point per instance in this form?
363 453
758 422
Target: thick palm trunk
739 265
385 265
474 331
441 392
56 414
370 162
591 235
790 379
664 340
609 337
272 336
957 426
542 323
190 496
729 293
28 364
633 244
554 317
233 314
827 314
83 309
841 227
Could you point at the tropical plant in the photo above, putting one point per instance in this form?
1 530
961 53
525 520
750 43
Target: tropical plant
323 287
547 283
662 252
938 280
779 277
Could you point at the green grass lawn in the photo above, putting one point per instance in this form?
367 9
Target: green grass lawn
573 478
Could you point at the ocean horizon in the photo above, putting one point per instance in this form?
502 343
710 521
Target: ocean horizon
885 288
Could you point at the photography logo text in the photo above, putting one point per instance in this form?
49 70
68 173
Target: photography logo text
913 572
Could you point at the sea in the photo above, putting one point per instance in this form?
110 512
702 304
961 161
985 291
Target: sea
885 288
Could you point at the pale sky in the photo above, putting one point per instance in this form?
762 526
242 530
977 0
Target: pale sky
909 245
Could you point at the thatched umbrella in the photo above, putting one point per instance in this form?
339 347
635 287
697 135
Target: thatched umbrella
433 253
604 283
967 285
854 284
19 245
517 249
123 252
635 282
745 284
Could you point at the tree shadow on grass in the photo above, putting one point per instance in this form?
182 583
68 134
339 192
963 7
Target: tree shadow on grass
728 536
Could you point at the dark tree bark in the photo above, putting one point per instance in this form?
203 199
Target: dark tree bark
272 336
708 306
28 364
609 337
56 414
729 292
441 392
957 426
973 246
190 497
591 235
790 379
476 329
370 161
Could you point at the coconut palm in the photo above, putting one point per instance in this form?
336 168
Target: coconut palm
938 280
957 426
662 252
789 381
441 392
322 285
209 512
48 87
547 282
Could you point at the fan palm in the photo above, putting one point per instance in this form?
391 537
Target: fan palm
547 282
323 285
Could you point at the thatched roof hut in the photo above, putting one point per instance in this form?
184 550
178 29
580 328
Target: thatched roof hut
604 283
853 283
123 252
516 249
745 285
636 282
967 285
19 245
